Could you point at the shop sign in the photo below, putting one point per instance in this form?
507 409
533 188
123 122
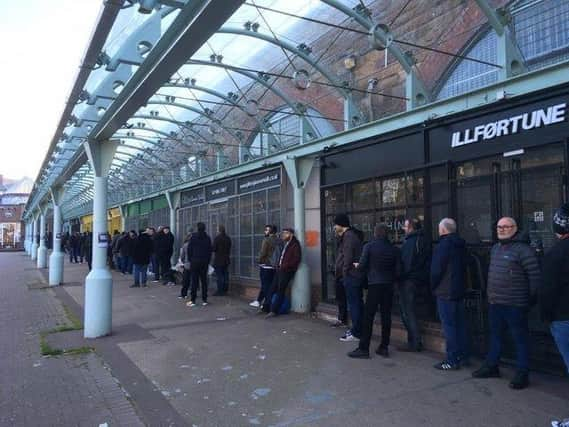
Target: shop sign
219 191
259 181
511 125
102 240
192 197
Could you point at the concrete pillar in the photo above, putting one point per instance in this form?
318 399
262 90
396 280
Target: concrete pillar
35 230
174 203
56 257
99 282
298 171
42 249
26 237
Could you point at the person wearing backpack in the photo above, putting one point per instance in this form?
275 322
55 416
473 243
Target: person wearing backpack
415 259
267 266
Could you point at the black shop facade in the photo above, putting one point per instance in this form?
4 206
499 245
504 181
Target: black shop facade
507 159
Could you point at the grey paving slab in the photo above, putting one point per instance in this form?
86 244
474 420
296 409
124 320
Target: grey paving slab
222 365
48 391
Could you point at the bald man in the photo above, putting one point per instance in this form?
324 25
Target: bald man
513 280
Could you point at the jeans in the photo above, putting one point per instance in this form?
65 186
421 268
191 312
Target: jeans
155 267
453 320
560 331
222 278
284 279
382 295
516 318
76 254
355 303
341 301
267 276
186 281
126 264
140 274
198 273
407 292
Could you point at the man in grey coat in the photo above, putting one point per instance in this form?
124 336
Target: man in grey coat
513 280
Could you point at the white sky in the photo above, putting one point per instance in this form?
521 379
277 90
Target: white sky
43 42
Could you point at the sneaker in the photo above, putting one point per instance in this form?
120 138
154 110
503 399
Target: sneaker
204 303
190 304
171 284
270 315
520 381
181 297
348 337
255 304
155 281
358 353
564 423
486 371
382 351
338 324
447 366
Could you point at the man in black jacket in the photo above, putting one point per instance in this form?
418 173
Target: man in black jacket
221 260
381 262
349 252
199 254
141 253
164 247
415 258
513 280
554 293
448 268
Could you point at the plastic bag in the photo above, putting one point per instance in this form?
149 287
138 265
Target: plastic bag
210 270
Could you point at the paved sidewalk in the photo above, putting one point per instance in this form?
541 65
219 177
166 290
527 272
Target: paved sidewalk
222 365
48 391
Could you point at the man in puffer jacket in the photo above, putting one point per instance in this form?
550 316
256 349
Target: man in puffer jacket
554 294
513 280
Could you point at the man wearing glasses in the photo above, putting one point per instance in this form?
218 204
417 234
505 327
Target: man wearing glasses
513 280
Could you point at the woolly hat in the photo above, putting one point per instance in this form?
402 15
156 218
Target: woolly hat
561 220
342 220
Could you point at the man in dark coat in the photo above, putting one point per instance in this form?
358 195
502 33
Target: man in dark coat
126 248
289 262
448 281
88 249
199 253
164 248
381 261
221 260
554 293
269 256
513 280
415 259
142 250
349 251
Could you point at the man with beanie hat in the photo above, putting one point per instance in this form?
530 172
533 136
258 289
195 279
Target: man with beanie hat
349 251
554 293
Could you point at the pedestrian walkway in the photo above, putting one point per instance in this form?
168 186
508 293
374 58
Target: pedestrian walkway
222 365
72 390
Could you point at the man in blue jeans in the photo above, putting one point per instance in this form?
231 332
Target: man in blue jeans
554 293
349 251
513 280
448 268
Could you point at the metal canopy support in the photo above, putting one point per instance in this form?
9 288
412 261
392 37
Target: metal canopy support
509 55
298 171
42 249
173 199
56 257
122 210
99 282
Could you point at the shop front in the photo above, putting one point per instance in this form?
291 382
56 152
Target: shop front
147 213
244 205
507 160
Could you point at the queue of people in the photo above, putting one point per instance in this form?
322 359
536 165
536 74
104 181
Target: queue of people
515 283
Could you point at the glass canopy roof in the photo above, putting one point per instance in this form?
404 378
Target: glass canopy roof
276 71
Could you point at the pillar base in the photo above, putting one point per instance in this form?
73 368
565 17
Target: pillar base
42 257
34 251
98 303
56 268
300 293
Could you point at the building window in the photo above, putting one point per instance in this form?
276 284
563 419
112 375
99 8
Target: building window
541 30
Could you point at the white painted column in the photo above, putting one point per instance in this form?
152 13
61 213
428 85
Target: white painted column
42 250
26 240
174 203
57 256
298 171
99 282
35 229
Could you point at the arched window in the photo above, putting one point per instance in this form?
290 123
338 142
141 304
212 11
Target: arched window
541 29
286 128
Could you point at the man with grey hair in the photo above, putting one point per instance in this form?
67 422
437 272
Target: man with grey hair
513 280
448 268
